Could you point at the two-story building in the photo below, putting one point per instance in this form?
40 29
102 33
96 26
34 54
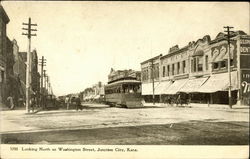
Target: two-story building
200 69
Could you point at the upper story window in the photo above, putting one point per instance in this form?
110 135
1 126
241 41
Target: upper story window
223 64
183 66
163 71
156 71
168 70
172 69
145 74
178 68
200 63
206 62
197 64
215 65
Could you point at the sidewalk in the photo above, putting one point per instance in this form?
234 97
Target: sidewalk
200 105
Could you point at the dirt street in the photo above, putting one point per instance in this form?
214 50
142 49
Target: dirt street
103 125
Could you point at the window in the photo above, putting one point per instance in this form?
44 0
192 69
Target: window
178 68
216 65
156 71
183 66
163 71
231 62
172 69
194 65
206 60
223 64
168 70
199 63
145 74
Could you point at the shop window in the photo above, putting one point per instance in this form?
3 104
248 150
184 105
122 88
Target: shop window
163 71
223 64
216 65
183 66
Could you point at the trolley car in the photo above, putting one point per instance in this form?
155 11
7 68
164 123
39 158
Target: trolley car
124 93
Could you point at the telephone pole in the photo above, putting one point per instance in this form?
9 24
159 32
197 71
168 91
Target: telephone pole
229 65
44 75
28 63
42 64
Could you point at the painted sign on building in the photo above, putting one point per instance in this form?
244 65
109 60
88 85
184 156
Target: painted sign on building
245 46
245 86
245 53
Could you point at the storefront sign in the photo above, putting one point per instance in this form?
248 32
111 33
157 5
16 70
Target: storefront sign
245 46
245 61
245 83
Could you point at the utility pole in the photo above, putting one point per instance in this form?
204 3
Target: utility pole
28 63
44 75
153 82
42 64
229 65
48 84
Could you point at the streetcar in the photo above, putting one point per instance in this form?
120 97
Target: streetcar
125 92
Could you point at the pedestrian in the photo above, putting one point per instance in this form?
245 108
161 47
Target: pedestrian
33 102
67 102
10 102
78 103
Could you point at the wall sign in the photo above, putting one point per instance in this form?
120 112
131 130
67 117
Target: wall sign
245 46
245 83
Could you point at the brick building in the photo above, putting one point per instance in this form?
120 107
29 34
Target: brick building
200 69
4 20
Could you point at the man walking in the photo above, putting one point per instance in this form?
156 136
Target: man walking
78 103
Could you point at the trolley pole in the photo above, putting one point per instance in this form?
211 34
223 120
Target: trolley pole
28 63
229 66
153 83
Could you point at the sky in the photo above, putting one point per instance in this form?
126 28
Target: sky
82 41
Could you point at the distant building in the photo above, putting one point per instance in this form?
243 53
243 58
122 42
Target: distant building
4 20
93 93
200 69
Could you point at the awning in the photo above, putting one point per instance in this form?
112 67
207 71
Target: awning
176 86
163 87
147 88
193 85
219 82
